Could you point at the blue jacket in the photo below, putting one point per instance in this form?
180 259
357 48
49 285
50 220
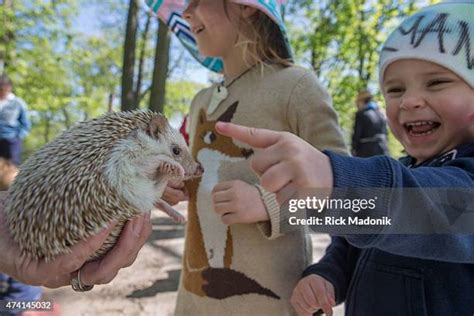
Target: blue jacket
14 122
388 274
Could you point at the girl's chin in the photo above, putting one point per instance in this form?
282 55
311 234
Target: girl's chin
207 52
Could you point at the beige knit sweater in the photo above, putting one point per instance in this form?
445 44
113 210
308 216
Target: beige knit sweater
249 269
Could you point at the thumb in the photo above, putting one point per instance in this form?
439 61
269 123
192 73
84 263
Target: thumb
255 137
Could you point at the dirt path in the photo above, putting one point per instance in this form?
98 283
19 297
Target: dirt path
149 286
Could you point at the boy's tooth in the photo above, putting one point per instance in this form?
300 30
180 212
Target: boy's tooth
420 123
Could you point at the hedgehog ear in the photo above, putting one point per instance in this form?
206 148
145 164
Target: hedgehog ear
156 126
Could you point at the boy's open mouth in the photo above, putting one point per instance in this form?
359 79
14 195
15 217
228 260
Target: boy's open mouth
421 128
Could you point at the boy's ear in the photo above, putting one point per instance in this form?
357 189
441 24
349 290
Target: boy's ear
248 11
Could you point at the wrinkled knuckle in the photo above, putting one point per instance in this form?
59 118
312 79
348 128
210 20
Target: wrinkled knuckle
293 148
253 132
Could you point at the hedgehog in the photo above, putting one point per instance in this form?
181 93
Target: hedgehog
114 167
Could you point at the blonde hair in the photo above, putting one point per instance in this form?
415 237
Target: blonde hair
364 96
266 43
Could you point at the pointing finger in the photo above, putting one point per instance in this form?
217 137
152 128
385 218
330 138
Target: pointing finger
255 137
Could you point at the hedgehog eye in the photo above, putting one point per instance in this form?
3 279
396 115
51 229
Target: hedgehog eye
176 150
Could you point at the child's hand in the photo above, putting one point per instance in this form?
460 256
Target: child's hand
283 160
238 203
311 294
174 193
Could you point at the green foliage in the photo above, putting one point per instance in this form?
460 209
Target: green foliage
66 76
39 34
341 40
179 95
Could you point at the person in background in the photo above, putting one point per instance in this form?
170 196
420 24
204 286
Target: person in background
370 128
14 122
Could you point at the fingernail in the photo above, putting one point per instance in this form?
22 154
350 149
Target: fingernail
138 225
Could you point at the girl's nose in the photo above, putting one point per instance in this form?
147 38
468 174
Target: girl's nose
187 13
410 102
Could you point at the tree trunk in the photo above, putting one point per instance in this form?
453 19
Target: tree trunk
110 105
141 60
67 119
129 58
160 72
46 118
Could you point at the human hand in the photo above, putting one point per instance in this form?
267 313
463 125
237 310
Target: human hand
282 160
175 192
238 202
59 271
311 294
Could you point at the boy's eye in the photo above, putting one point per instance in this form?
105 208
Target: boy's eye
394 90
437 82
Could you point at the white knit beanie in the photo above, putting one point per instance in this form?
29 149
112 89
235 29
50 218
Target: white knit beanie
442 33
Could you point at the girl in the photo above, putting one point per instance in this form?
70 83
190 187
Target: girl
238 258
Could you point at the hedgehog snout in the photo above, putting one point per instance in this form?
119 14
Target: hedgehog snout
195 171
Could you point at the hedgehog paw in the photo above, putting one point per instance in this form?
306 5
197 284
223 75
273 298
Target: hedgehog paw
171 169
